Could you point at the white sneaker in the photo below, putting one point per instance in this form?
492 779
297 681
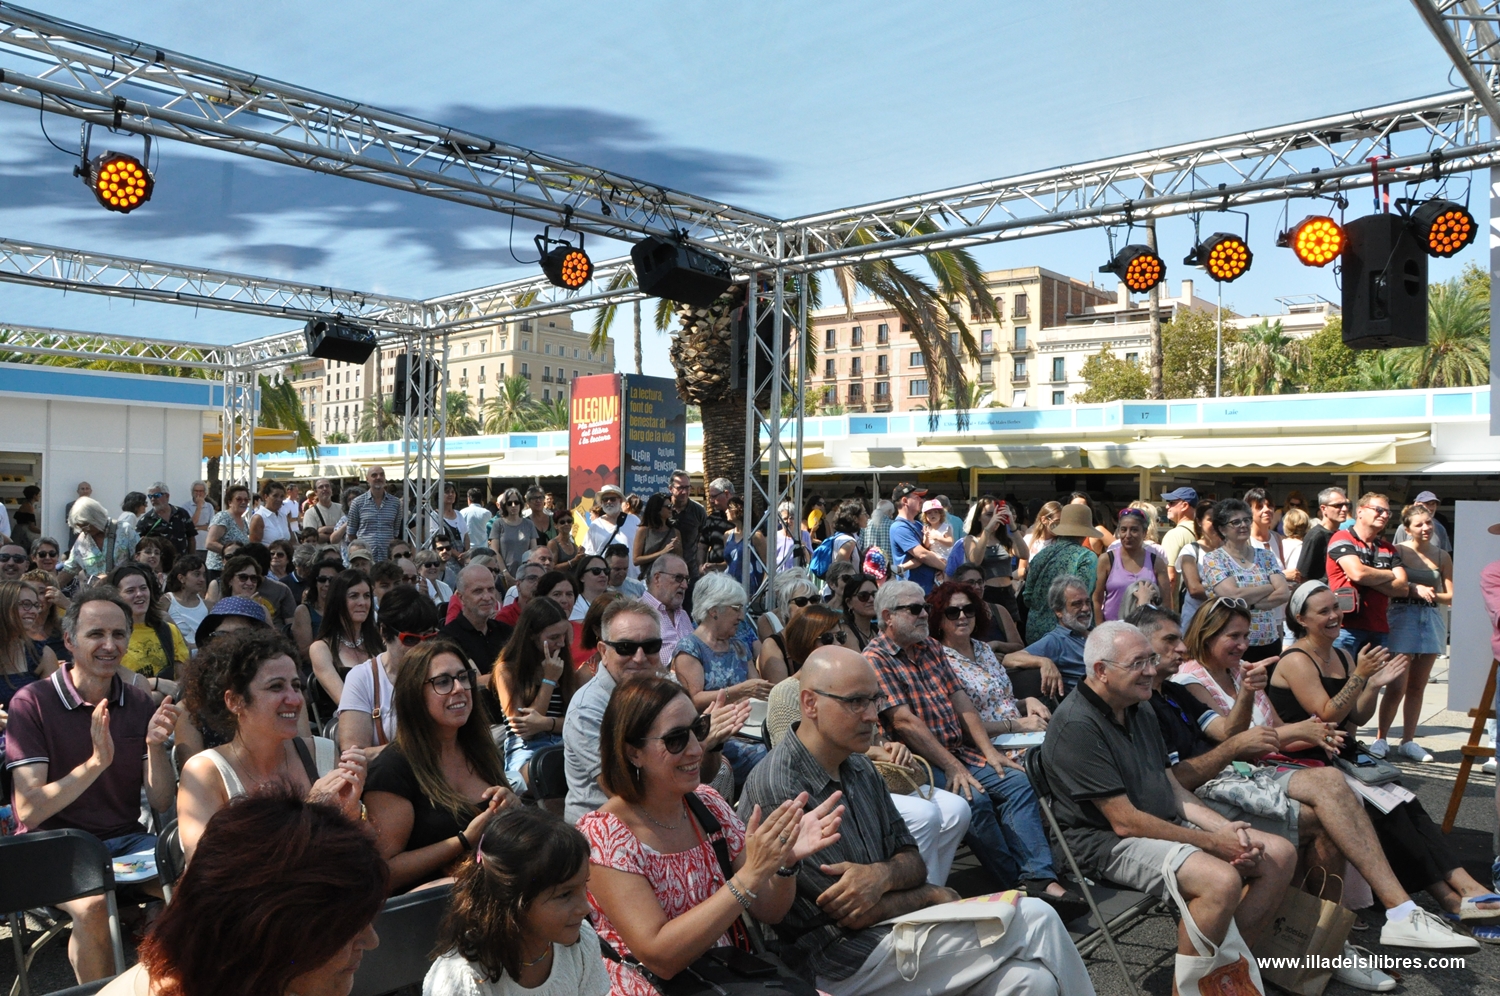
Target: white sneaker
1413 751
1488 767
1379 748
1423 930
1362 977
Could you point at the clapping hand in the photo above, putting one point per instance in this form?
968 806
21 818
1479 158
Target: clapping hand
725 720
163 722
1394 668
343 786
819 829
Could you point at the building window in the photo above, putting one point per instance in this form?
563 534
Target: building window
857 336
1019 308
502 369
1020 370
830 395
547 348
918 389
882 364
1057 398
882 334
546 374
575 374
1018 399
856 367
1132 357
987 340
882 390
1058 373
525 345
481 397
504 340
1020 337
466 349
916 360
526 370
986 372
856 392
831 341
575 352
830 368
546 394
953 341
481 371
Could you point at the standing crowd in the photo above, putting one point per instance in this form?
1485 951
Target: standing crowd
640 769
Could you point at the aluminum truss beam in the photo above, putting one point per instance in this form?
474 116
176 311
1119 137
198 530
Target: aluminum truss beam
424 432
31 340
237 426
97 76
1467 31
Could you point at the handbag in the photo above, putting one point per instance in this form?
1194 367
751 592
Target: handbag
1227 969
1255 793
1307 927
991 916
1368 768
721 971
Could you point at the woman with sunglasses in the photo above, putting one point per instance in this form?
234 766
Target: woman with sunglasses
1238 569
511 536
566 554
1122 565
348 635
537 681
432 790
857 603
593 581
1217 673
246 687
960 624
659 895
367 718
187 583
430 571
793 590
228 525
657 534
45 553
241 576
1001 625
308 618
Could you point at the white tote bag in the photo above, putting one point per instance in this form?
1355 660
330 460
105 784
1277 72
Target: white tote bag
991 916
1226 970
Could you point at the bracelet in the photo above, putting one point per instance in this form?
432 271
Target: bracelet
789 872
741 897
550 681
463 843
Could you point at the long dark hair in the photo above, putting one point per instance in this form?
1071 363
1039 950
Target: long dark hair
522 853
655 514
982 508
310 590
520 663
416 734
154 618
336 621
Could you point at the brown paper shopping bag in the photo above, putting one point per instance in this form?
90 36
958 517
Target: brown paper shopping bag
1307 926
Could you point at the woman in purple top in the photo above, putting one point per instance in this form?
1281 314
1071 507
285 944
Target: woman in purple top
1125 563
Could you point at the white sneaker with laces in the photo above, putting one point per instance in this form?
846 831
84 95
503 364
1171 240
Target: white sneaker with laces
1488 767
1379 748
1413 751
1368 978
1423 930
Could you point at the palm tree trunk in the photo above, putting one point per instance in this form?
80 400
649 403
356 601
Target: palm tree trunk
638 339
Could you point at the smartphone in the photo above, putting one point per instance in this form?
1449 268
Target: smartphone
743 963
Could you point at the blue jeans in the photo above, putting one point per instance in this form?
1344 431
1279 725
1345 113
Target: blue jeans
130 843
1006 832
1352 641
743 756
518 752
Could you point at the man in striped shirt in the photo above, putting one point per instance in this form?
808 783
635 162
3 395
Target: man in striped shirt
374 517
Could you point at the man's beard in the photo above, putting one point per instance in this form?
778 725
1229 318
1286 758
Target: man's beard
1081 623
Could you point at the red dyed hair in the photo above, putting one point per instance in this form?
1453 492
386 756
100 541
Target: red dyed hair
943 594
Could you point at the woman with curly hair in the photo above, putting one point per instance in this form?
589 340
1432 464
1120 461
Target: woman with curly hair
519 915
245 685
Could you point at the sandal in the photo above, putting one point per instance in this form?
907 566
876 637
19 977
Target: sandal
1486 932
1469 911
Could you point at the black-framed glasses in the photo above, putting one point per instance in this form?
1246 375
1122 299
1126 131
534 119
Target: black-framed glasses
326 578
857 703
1335 504
1136 666
1238 523
679 578
46 553
409 640
443 683
510 504
952 612
442 548
801 601
675 741
29 603
917 609
1378 509
247 577
629 648
831 637
596 570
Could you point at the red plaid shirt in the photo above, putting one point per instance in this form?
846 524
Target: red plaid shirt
919 678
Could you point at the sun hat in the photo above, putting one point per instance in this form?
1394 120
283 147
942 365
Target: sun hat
1076 520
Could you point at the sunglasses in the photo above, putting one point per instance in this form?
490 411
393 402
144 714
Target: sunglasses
1234 603
443 683
247 577
511 504
916 608
415 639
629 648
675 741
863 596
801 601
46 554
953 612
13 558
831 637
327 578
156 494
596 570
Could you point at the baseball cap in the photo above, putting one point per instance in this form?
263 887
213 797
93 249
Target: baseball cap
610 489
234 605
1181 494
1424 496
930 505
358 551
902 490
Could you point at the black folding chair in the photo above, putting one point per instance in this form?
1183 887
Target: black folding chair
170 861
87 989
548 778
41 869
1138 904
408 927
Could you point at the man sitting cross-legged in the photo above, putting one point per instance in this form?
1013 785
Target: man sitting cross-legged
1123 811
873 871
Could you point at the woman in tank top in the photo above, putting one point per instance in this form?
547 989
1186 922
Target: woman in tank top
992 546
1417 629
246 686
1123 565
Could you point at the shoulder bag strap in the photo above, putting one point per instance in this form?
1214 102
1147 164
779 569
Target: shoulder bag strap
712 830
308 764
378 727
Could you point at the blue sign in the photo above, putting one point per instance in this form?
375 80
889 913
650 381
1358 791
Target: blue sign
655 434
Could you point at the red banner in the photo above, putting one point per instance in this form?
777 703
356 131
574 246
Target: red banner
594 437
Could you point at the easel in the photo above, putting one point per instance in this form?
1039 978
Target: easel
1472 750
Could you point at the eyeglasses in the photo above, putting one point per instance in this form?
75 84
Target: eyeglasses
1378 510
1238 523
413 639
156 494
675 741
952 612
12 558
801 600
831 637
326 578
857 704
678 578
247 577
1336 504
1137 666
444 548
30 604
443 683
917 609
596 570
511 504
46 554
863 596
629 648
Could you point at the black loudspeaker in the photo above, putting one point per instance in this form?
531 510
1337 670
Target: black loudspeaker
1385 284
739 345
678 272
331 339
401 397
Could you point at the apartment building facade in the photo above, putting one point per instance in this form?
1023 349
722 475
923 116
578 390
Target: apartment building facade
548 352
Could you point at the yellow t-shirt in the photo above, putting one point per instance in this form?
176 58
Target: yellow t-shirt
146 655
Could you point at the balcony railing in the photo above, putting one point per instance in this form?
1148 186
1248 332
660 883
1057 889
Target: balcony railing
1024 346
1019 379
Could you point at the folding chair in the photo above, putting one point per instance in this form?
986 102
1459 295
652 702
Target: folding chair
548 778
1032 761
87 989
170 861
38 870
408 927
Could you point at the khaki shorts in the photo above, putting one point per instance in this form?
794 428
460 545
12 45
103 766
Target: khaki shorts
1136 863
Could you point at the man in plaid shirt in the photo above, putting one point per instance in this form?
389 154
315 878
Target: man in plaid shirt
929 711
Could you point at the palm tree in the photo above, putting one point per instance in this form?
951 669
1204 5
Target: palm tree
1381 370
280 408
510 409
1265 360
604 318
1457 353
461 418
547 416
377 422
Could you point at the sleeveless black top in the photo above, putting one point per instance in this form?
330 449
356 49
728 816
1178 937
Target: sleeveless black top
1291 711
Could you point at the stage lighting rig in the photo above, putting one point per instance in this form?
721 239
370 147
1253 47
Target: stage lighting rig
1317 240
1443 227
118 181
1226 257
564 265
1138 266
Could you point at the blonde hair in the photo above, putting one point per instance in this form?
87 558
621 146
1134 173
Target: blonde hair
1294 523
1047 517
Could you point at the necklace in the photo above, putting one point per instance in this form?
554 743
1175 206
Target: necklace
355 645
539 958
642 811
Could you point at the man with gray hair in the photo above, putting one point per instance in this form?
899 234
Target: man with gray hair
1333 509
166 521
1126 818
323 513
1059 654
927 709
665 591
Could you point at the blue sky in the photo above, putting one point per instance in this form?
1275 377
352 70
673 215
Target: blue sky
783 107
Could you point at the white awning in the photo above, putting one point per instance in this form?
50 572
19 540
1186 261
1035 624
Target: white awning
1264 451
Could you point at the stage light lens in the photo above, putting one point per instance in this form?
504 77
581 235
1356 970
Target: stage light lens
1138 267
1316 240
1443 227
119 182
1226 257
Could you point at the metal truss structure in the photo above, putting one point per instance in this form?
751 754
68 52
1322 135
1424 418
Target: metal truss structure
114 82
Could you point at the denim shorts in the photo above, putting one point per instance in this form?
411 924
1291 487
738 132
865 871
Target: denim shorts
1416 629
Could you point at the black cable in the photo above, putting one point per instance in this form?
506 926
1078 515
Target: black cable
41 120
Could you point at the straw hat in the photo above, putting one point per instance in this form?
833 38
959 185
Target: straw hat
1076 520
783 708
